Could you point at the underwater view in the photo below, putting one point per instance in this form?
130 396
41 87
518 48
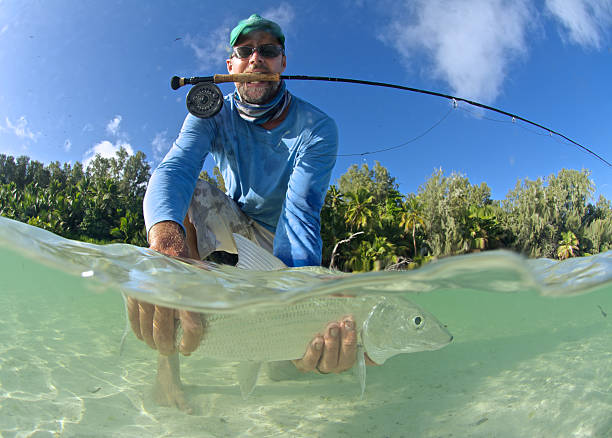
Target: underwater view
530 354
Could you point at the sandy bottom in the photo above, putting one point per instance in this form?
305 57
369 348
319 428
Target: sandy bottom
520 366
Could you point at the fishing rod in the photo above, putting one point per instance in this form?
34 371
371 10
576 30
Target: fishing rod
205 98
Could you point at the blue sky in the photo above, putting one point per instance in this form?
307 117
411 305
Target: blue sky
80 77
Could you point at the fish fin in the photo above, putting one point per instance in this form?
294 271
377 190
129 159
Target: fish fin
248 372
253 257
360 369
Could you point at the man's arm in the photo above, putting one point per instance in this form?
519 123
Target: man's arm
171 186
165 205
167 237
156 325
297 239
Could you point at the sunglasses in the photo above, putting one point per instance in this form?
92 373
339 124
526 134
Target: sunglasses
265 51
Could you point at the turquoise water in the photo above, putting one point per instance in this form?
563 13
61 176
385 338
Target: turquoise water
532 352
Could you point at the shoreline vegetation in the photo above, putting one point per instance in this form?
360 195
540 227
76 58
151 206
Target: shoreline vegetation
366 223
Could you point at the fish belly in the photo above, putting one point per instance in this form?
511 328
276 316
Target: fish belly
277 333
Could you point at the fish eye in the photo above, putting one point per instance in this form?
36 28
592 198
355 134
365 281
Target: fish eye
418 321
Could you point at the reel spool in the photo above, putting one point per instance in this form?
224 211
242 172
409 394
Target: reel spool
204 100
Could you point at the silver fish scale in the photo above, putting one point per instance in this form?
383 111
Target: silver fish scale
280 333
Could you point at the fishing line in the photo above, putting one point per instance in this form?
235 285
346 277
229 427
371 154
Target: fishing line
412 140
205 98
519 125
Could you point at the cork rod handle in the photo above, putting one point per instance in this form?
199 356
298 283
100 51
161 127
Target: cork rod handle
247 77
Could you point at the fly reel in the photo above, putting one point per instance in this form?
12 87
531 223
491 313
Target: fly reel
204 100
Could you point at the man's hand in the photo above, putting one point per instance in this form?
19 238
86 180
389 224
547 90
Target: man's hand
333 352
156 325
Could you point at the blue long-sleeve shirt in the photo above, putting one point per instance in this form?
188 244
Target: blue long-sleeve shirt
278 177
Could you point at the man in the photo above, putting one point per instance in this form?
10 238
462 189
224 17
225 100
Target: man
276 153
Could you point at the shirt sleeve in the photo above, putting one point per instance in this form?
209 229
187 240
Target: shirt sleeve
297 240
172 184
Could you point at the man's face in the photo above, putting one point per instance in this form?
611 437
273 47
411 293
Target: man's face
257 92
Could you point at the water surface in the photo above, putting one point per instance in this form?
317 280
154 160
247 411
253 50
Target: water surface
531 355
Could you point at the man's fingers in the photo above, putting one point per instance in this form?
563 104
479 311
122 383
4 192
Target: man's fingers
156 325
132 307
312 356
193 330
164 330
348 346
331 350
146 312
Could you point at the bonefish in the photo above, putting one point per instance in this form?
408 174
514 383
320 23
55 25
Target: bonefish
386 326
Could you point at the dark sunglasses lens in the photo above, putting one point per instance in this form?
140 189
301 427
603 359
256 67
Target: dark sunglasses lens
269 51
243 51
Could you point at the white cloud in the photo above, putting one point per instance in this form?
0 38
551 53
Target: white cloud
283 15
4 29
212 50
88 127
586 22
106 149
469 43
67 145
20 129
160 144
113 126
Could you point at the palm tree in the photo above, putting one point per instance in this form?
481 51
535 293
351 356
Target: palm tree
360 209
482 227
567 245
411 218
333 208
380 251
358 260
334 198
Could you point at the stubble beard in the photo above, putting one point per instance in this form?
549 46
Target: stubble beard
258 95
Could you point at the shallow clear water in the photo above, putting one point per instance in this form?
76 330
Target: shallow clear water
531 356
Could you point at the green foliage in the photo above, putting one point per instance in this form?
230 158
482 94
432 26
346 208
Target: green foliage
538 212
568 245
365 219
412 220
366 202
549 217
102 204
216 180
447 201
376 182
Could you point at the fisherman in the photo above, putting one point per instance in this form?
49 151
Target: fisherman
276 153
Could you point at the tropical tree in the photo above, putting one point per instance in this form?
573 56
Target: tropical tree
216 180
446 199
411 218
484 228
333 225
360 210
379 252
103 203
536 212
567 245
376 181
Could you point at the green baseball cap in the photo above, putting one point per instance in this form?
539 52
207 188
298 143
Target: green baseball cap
256 22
